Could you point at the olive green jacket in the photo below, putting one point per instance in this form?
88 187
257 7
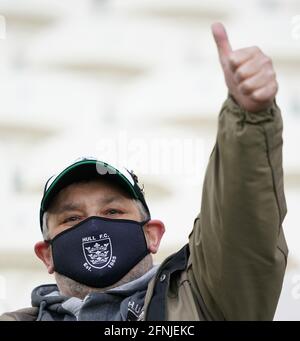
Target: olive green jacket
237 254
234 263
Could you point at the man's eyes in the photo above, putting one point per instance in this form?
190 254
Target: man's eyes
108 212
71 219
113 211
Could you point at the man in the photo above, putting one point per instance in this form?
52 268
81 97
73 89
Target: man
98 233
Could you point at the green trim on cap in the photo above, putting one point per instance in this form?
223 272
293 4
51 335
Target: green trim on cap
84 162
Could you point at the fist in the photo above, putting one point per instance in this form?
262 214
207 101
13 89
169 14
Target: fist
249 73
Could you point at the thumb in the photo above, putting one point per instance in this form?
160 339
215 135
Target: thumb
222 41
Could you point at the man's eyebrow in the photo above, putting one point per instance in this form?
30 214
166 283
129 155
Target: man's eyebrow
72 206
68 207
111 198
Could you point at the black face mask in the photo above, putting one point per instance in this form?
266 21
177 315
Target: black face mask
98 252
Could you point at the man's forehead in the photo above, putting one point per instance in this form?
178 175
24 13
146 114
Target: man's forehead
77 194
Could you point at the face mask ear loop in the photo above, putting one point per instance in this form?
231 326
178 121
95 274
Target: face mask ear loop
48 241
144 222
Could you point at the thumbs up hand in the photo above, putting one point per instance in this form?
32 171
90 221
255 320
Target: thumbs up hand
249 73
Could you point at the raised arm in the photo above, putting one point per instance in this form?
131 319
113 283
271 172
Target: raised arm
238 251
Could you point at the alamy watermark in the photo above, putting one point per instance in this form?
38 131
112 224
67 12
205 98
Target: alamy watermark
296 287
295 27
185 157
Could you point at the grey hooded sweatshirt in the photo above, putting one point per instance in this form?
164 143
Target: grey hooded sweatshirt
123 303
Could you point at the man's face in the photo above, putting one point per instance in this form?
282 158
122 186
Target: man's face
85 199
101 198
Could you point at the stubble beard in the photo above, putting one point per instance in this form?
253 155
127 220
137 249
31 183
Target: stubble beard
70 288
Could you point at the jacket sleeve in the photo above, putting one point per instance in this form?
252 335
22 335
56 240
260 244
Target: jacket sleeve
25 314
238 252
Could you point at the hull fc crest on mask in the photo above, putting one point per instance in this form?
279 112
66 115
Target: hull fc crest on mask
98 252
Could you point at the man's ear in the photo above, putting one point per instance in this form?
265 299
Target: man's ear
43 251
154 231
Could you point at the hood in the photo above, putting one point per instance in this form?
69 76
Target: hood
120 303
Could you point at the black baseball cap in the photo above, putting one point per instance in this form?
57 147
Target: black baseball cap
85 168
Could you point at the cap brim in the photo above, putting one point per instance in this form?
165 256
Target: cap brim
82 170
